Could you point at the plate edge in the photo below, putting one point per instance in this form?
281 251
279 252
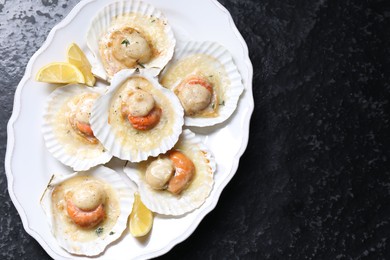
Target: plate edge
17 108
13 119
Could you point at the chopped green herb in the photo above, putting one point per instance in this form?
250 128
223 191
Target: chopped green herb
153 21
213 105
125 42
222 103
99 231
112 233
120 96
210 76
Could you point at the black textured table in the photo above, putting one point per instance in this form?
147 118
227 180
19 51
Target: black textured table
314 182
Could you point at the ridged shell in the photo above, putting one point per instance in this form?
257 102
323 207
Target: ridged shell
60 139
163 202
232 90
103 21
114 138
125 195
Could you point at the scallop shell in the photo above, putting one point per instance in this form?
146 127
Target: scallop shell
120 138
67 240
223 63
163 202
60 139
102 23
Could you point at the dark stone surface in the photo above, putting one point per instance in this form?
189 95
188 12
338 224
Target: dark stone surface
314 182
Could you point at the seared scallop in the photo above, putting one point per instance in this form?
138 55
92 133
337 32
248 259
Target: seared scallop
137 117
87 210
178 181
206 80
67 130
129 35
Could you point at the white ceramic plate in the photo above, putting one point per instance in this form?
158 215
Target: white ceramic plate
29 165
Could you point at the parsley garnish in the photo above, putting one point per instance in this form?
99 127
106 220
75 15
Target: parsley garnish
112 233
99 231
125 42
222 103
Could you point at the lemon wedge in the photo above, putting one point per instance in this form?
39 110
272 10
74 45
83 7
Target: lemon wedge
60 72
77 57
141 218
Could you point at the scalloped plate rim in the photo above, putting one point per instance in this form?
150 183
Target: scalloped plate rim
17 104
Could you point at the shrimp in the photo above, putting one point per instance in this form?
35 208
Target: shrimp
184 171
146 122
85 218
